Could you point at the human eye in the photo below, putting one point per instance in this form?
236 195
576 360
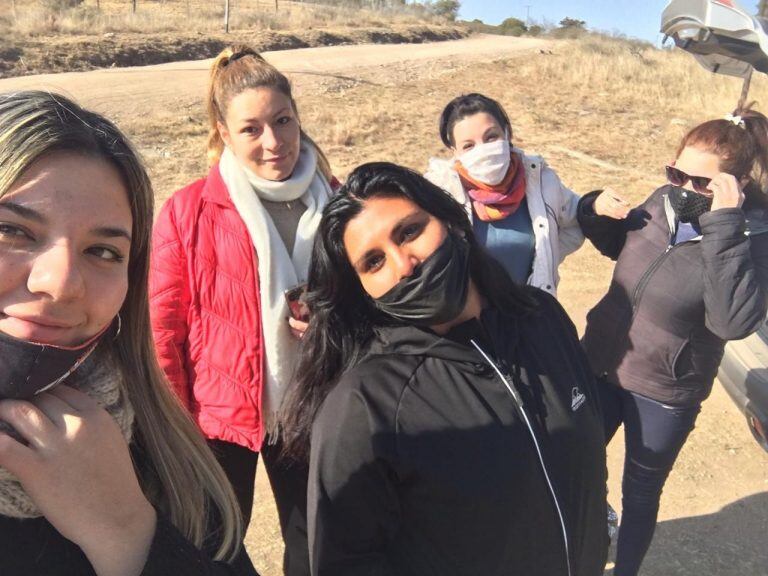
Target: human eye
373 263
492 137
11 232
106 253
467 146
412 231
252 130
283 120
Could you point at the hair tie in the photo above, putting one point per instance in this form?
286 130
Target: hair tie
737 120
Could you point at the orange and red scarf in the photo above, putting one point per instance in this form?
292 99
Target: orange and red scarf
492 203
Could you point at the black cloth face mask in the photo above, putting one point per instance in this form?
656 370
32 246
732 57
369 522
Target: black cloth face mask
28 368
688 205
437 290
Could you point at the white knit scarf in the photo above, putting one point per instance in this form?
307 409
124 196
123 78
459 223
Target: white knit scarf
279 269
99 378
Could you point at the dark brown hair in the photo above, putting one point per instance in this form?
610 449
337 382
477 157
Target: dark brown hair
469 105
742 146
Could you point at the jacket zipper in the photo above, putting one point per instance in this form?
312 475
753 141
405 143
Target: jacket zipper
646 277
641 285
518 401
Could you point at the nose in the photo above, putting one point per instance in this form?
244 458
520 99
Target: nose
55 273
404 262
270 138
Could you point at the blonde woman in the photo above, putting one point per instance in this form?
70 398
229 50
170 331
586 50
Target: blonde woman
101 471
227 249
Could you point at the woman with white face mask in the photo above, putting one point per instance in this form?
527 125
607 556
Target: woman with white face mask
520 211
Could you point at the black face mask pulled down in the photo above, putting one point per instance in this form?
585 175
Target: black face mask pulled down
688 205
437 290
27 368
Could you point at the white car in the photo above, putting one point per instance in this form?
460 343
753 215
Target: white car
720 34
744 375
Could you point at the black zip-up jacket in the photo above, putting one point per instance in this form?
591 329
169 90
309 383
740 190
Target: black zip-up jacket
422 463
661 329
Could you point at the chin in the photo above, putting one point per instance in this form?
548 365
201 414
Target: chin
276 172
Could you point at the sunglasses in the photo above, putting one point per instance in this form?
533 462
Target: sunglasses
677 177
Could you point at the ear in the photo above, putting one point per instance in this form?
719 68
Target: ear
224 133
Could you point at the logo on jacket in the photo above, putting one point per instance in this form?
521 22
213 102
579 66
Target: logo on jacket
577 398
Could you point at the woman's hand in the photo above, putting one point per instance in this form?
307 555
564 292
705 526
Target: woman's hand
610 203
726 192
78 471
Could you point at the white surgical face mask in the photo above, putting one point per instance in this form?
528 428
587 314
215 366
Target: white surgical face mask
487 163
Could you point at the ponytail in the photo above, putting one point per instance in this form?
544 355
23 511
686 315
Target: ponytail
741 142
756 126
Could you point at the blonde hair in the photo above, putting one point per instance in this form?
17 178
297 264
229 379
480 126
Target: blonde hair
236 69
183 479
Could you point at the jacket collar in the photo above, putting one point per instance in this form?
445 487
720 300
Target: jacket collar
756 217
454 346
215 190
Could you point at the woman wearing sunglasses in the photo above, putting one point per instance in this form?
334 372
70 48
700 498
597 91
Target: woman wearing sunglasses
691 273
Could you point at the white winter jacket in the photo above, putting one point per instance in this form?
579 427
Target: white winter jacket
551 205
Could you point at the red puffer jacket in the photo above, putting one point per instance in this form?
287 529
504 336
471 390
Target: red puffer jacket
205 308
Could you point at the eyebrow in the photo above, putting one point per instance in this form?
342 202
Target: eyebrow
34 215
489 129
112 232
23 211
360 261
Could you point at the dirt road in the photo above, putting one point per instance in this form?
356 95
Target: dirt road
366 102
143 90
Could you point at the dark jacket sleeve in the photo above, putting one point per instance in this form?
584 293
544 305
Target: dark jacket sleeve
606 234
171 553
735 271
353 510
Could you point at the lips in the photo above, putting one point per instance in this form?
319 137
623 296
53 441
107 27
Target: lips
40 329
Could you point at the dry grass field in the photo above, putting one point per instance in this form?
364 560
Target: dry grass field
45 17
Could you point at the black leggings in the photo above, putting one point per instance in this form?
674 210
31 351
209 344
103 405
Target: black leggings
289 487
654 434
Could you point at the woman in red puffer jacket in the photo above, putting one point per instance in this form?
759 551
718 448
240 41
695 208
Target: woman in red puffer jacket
226 249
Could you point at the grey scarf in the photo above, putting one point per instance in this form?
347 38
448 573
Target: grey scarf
99 378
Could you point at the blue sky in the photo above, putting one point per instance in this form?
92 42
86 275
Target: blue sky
638 18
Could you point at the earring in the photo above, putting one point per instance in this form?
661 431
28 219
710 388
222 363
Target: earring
119 326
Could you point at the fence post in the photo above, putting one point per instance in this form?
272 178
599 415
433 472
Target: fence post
226 16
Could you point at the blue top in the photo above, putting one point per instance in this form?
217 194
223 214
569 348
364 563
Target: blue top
510 241
685 231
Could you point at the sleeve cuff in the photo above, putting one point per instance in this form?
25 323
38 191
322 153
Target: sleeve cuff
723 222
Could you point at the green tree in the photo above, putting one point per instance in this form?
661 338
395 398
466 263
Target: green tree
573 24
513 27
446 8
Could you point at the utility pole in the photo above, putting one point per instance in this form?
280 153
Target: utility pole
528 14
226 16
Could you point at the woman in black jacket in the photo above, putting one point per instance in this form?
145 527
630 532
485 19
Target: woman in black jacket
691 273
459 432
101 471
